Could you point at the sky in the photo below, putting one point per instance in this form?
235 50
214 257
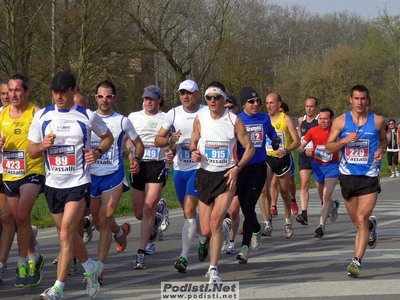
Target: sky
367 9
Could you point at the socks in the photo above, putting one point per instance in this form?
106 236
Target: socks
188 231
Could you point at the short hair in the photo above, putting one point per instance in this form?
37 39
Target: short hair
360 88
218 85
26 83
285 107
327 109
315 99
392 120
106 84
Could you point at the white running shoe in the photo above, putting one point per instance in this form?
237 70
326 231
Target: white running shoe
92 279
139 261
165 214
150 248
88 229
213 276
53 293
231 248
35 242
226 229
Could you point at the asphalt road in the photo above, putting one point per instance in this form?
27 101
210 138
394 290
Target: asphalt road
301 267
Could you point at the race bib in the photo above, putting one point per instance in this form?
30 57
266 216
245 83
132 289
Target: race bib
107 158
255 132
322 155
14 162
151 152
216 152
357 152
62 159
310 145
184 154
268 143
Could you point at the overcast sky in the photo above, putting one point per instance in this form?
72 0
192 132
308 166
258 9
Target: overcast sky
365 8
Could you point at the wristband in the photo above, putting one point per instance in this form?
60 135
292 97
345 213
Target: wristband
191 151
138 159
239 167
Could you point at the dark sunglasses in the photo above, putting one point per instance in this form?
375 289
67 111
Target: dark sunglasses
251 101
108 97
218 97
229 107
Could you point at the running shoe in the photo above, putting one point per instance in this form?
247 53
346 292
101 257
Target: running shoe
334 212
35 271
35 242
373 237
203 250
53 293
213 276
121 241
150 248
181 265
302 219
268 228
74 267
274 211
139 261
393 175
226 228
288 230
319 232
88 229
92 280
165 214
160 234
255 242
295 208
55 261
157 222
397 174
243 255
21 278
353 270
231 248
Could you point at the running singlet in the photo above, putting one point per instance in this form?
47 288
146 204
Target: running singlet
112 160
65 160
319 136
283 132
147 128
180 119
16 161
358 157
258 127
217 142
305 127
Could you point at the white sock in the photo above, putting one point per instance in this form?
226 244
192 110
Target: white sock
33 257
88 266
22 261
60 284
188 231
120 232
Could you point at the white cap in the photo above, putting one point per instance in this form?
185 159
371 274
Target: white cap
188 85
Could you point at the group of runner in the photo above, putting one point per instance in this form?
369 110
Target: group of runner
221 161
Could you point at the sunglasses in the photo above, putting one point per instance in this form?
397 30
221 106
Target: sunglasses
229 107
218 97
101 97
252 101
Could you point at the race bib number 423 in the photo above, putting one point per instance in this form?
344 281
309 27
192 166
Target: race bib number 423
14 163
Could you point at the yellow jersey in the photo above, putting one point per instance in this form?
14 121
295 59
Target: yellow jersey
16 162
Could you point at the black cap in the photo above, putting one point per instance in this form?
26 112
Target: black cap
247 93
63 81
231 99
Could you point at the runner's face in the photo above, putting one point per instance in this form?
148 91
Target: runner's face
188 99
359 101
16 92
64 99
311 108
272 105
104 104
151 105
5 100
325 120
